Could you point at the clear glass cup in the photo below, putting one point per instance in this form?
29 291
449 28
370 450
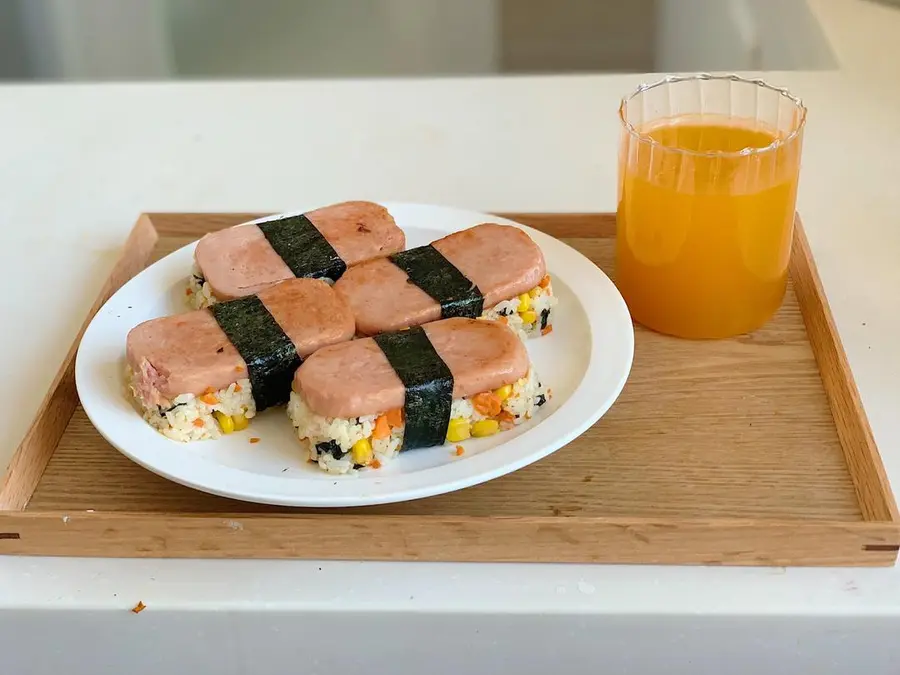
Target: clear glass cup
708 174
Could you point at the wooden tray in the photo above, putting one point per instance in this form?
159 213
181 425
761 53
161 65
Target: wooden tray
750 451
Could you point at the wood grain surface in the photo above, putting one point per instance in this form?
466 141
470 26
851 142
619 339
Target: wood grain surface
349 536
736 451
866 469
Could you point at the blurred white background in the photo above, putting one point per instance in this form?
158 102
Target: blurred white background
162 39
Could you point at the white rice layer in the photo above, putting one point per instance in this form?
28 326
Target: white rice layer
198 294
541 301
179 420
316 431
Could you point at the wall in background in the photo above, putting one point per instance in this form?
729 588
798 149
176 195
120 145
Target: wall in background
165 39
93 39
577 35
791 37
311 38
696 35
13 54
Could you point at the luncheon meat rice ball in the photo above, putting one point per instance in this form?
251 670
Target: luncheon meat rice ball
359 403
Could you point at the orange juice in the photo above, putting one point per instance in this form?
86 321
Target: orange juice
705 219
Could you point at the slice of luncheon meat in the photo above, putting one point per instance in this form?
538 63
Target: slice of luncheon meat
502 260
240 261
189 353
355 378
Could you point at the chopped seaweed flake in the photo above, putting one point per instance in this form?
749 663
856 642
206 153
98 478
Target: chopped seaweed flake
545 316
330 448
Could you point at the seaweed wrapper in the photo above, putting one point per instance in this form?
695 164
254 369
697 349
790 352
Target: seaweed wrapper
270 355
428 269
428 383
303 248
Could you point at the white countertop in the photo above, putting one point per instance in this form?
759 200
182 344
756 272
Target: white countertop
80 162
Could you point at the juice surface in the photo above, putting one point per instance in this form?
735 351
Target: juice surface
703 240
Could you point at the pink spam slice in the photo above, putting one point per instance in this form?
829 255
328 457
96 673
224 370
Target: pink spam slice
501 260
189 353
355 378
239 260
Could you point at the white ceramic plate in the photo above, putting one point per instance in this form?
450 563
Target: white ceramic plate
585 360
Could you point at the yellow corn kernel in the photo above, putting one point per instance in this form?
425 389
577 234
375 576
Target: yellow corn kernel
240 422
524 303
503 392
485 428
535 292
225 422
361 451
529 317
458 430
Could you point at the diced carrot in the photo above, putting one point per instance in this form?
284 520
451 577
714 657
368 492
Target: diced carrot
375 464
237 387
188 291
209 390
382 428
237 369
199 423
209 399
254 439
487 403
506 419
395 417
460 450
545 281
546 330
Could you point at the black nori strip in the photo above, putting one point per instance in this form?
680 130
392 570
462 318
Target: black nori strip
303 248
330 448
270 355
428 383
437 276
545 316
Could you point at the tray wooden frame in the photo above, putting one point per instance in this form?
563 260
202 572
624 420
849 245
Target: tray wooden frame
866 535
